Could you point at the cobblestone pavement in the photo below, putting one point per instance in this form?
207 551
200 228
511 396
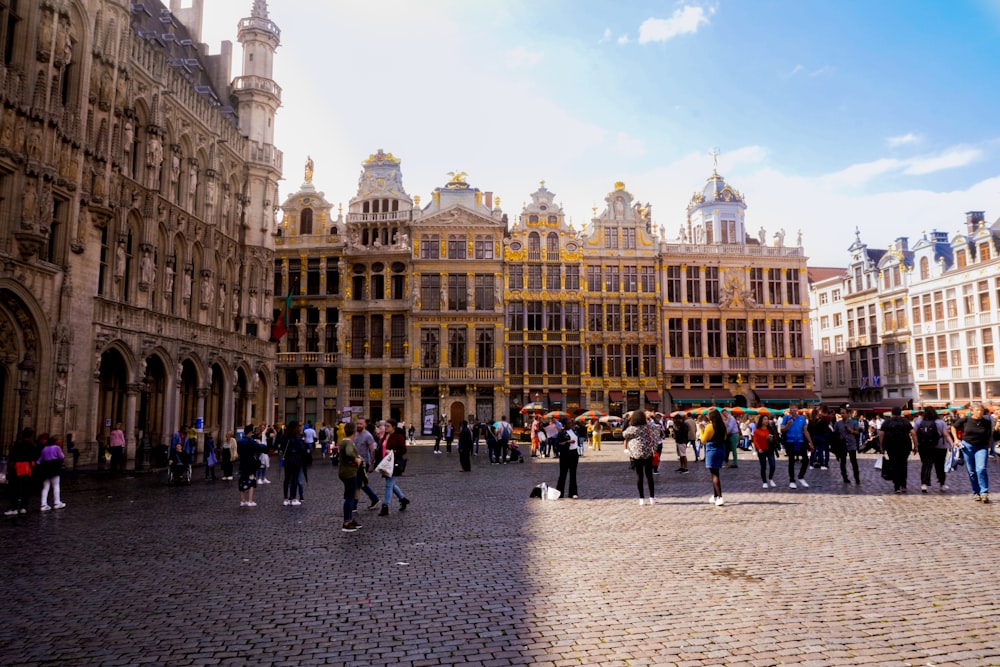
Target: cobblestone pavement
476 573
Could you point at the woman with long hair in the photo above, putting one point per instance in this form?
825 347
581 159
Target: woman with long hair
292 462
396 443
714 437
640 443
763 442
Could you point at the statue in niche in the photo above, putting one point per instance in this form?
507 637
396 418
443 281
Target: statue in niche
154 158
128 137
683 236
35 141
222 296
619 208
403 240
762 235
64 39
211 193
120 91
7 127
46 205
236 302
175 168
227 201
45 34
60 393
253 306
192 186
146 268
699 234
186 293
107 90
207 292
168 279
120 261
29 201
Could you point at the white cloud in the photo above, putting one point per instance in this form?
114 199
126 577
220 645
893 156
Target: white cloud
950 159
606 37
861 173
521 56
623 39
903 140
796 70
822 71
629 146
685 20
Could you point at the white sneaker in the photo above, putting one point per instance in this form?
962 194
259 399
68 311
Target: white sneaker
265 481
823 468
59 506
771 483
296 502
286 503
923 488
791 485
251 504
243 503
765 486
803 484
719 502
642 501
651 501
711 501
944 487
45 508
10 513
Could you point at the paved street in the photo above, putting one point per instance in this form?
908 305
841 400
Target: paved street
476 573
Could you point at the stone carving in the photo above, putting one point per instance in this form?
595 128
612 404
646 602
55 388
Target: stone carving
120 261
779 238
146 268
154 158
168 279
762 235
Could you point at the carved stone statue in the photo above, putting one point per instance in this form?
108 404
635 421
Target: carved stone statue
186 293
120 261
154 158
683 236
192 186
175 167
146 268
168 279
762 235
309 169
798 239
35 141
29 201
207 292
211 193
253 305
779 238
619 208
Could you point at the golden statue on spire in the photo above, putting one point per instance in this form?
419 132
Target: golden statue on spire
309 169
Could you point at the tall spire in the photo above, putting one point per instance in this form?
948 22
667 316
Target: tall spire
259 10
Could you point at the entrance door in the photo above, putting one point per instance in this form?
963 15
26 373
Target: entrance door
457 413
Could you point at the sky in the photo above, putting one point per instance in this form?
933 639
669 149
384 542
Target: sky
827 116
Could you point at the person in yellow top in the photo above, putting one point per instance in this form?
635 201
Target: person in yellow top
340 431
714 438
596 430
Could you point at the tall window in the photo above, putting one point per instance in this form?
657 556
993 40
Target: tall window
628 238
673 284
358 336
430 292
357 287
397 339
649 318
961 259
515 316
774 286
712 284
332 317
430 246
614 360
572 360
456 346
759 338
693 285
377 282
430 348
736 338
594 278
456 246
572 317
534 246
612 280
757 285
632 360
458 292
377 339
484 247
515 277
647 276
713 327
484 347
515 360
925 268
649 360
332 277
614 317
306 221
102 271
552 246
777 338
611 238
675 337
631 317
553 277
792 285
312 330
572 277
535 277
728 231
596 361
795 338
484 292
630 279
694 337
536 360
595 319
553 316
553 361
534 315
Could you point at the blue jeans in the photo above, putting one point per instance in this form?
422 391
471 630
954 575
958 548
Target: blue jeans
350 485
391 488
821 455
975 463
696 445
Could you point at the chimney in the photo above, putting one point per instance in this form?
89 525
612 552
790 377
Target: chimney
973 219
489 200
902 244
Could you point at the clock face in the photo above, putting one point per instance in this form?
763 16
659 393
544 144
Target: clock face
571 247
516 245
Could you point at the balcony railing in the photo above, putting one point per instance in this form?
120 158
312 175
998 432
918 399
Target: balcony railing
257 83
390 216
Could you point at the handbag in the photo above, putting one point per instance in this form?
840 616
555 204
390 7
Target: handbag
212 460
886 467
385 466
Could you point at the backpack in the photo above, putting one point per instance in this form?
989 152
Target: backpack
927 434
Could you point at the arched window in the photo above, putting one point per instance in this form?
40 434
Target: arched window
306 221
532 218
925 268
534 242
552 243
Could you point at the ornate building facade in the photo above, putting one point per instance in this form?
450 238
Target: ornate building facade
136 236
446 311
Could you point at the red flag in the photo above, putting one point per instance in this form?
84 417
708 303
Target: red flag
280 326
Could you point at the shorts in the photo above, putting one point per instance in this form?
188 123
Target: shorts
715 456
682 449
247 483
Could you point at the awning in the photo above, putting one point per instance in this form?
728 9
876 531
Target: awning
653 396
885 405
701 396
786 396
555 396
616 396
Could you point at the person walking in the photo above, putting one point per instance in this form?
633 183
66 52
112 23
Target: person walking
292 462
248 452
228 456
50 463
348 470
896 438
211 457
933 441
691 425
849 431
977 434
116 445
639 442
449 436
681 440
465 446
715 438
798 446
732 438
437 432
20 463
763 439
569 457
365 444
396 443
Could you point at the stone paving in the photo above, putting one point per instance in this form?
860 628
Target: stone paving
476 573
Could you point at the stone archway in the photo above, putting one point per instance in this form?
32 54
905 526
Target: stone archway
112 396
456 412
151 435
188 396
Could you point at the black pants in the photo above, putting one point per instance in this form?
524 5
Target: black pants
568 460
117 459
803 456
465 458
854 465
767 464
898 456
447 444
932 457
227 463
644 470
502 450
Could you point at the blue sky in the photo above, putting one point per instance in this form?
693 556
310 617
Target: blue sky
827 115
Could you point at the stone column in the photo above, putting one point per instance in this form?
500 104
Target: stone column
200 414
131 391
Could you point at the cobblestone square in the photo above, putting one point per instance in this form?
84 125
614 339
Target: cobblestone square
476 573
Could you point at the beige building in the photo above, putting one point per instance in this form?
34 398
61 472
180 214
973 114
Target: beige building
139 181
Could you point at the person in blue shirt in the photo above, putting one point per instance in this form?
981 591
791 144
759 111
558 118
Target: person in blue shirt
798 446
